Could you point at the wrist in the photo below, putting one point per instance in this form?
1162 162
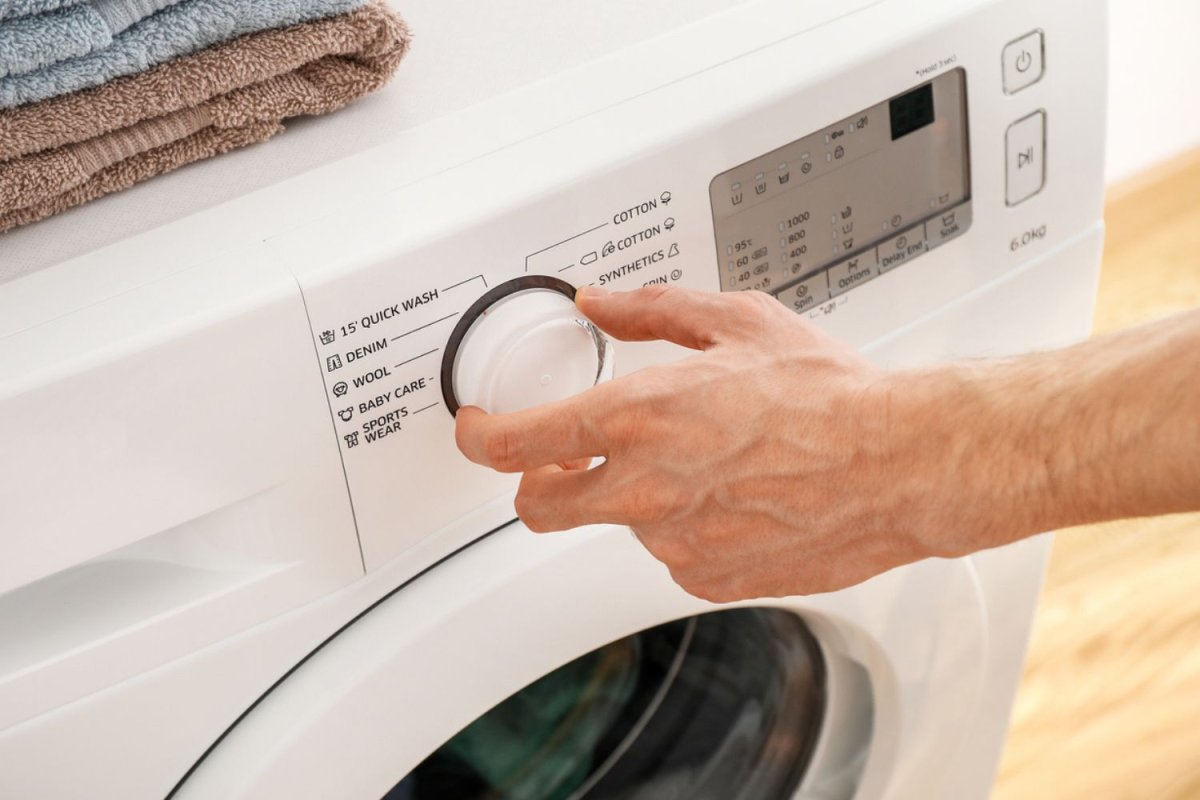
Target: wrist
968 457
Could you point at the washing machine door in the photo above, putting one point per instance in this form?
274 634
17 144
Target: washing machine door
571 667
720 706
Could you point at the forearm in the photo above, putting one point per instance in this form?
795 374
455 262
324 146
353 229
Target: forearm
1107 429
807 469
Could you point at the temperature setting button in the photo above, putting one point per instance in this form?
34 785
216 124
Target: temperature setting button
523 344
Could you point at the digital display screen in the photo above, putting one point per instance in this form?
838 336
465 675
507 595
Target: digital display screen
911 112
849 202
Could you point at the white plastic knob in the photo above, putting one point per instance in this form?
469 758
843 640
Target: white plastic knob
529 348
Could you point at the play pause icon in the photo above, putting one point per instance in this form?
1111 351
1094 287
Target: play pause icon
1026 156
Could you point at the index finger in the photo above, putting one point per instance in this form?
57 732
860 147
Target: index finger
690 318
555 433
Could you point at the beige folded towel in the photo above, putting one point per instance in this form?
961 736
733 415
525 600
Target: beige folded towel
67 150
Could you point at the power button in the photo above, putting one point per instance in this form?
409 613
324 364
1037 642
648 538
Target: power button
1024 62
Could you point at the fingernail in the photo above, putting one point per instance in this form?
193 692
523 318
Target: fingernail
590 293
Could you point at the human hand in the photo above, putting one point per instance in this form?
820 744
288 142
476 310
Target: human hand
765 465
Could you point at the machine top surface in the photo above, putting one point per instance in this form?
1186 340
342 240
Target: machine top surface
463 53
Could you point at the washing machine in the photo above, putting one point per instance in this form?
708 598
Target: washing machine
240 555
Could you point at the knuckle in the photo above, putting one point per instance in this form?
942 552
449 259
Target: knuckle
755 303
500 448
749 312
769 311
661 293
670 300
639 504
649 504
676 553
762 301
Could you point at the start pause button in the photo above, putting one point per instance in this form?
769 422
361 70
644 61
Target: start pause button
1026 146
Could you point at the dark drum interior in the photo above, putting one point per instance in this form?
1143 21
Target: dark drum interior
724 706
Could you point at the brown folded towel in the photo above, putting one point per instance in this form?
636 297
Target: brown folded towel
71 149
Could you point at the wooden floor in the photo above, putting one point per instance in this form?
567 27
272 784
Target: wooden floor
1110 704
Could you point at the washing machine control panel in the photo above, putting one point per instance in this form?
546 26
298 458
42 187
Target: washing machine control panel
813 219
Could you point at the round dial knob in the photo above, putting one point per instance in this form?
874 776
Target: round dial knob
521 345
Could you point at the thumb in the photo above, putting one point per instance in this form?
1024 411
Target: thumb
687 317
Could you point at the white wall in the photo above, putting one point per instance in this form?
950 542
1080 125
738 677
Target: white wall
1154 109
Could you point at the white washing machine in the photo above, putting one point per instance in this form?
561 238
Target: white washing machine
240 556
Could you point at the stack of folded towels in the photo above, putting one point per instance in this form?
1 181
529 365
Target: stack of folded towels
97 95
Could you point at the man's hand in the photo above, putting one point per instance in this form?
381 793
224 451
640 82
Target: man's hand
779 462
760 467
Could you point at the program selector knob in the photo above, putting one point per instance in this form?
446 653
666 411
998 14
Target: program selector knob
521 345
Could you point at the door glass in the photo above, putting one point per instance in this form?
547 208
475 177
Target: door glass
725 706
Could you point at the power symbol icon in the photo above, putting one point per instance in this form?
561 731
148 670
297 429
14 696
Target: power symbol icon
1024 61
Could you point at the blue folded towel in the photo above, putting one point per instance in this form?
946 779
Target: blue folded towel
22 8
181 29
39 40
